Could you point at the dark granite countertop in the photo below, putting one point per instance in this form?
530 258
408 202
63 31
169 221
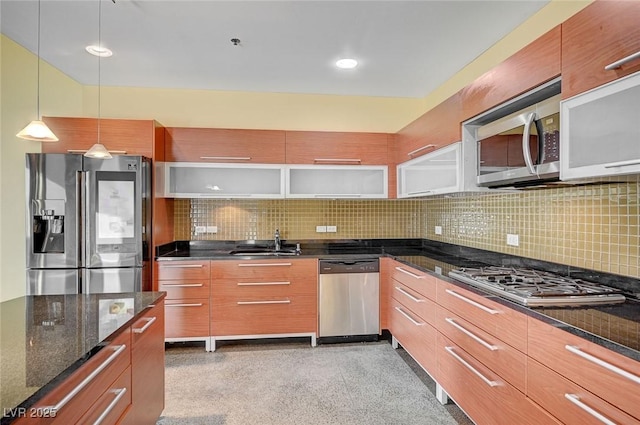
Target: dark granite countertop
616 327
45 338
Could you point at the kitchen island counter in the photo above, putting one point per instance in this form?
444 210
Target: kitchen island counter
46 338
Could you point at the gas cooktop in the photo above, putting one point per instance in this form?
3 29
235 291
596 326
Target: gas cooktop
537 288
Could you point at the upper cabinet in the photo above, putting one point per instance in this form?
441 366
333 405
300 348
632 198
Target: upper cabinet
77 135
536 63
224 145
595 43
337 148
337 181
435 129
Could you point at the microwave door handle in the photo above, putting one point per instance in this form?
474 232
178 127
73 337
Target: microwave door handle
526 150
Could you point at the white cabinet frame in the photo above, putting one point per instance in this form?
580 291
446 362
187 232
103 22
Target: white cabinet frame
337 181
220 180
435 173
600 131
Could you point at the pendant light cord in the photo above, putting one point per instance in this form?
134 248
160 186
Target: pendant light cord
38 67
99 60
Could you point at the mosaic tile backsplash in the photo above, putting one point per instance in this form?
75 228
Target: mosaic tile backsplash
594 226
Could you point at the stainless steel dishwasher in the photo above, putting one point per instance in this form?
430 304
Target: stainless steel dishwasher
349 300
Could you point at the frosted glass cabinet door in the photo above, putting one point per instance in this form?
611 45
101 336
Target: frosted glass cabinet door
600 131
435 173
339 181
195 180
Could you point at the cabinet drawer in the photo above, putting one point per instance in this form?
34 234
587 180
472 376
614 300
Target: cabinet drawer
186 318
178 289
266 270
246 287
569 402
418 303
610 376
500 321
113 402
184 270
501 358
421 282
256 315
86 385
481 393
415 335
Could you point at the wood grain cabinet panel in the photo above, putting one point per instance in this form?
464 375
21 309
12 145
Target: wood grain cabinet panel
416 302
147 365
433 130
503 322
182 270
112 361
187 318
113 403
263 270
419 281
224 145
386 284
600 34
341 148
135 137
609 375
533 65
415 335
507 362
569 402
486 397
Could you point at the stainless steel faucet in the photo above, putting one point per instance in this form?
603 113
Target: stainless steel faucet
277 240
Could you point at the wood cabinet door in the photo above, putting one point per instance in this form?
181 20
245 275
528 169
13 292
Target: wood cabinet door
184 144
533 65
130 137
600 34
434 129
337 148
147 365
611 376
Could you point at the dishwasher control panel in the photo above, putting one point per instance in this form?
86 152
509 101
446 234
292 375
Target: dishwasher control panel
349 266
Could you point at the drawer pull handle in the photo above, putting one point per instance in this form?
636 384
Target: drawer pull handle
184 285
184 305
358 160
473 303
228 158
429 146
149 320
471 368
471 334
184 266
118 349
119 392
262 283
411 319
413 275
264 302
264 265
408 295
617 64
615 369
576 400
623 164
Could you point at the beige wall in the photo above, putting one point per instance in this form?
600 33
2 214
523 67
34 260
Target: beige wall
58 95
61 96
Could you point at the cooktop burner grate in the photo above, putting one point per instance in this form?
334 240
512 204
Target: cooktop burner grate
536 287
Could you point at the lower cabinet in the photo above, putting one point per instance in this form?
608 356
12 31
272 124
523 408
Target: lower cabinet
147 366
264 298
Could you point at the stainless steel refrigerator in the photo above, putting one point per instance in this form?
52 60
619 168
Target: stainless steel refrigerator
87 223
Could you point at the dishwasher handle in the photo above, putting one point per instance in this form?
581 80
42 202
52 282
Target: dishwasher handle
349 266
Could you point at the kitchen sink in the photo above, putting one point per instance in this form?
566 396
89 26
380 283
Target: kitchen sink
265 252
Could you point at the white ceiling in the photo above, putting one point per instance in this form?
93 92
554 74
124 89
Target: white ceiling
405 48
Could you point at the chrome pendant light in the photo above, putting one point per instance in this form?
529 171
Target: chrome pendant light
98 150
37 130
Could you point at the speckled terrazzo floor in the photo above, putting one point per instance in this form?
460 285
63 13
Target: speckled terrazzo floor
292 383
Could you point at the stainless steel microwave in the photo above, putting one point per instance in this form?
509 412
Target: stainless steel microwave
521 148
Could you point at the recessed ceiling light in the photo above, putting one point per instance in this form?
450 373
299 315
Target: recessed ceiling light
102 52
346 63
